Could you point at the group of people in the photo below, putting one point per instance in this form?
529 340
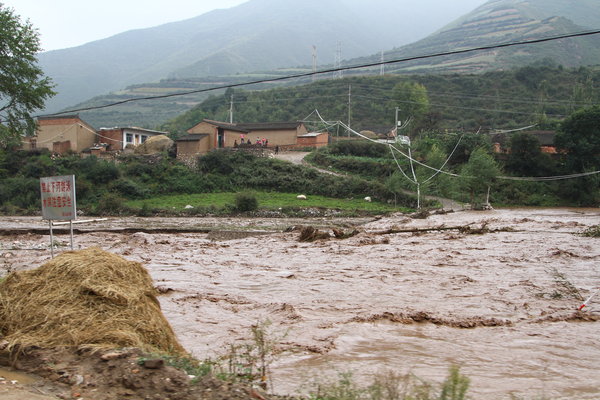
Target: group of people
258 143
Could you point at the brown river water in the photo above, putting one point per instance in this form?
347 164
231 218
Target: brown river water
502 305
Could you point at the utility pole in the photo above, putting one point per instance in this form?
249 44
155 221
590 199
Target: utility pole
349 106
396 125
231 109
338 61
314 62
382 68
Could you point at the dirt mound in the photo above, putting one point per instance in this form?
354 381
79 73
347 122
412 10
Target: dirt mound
67 373
155 144
422 316
89 299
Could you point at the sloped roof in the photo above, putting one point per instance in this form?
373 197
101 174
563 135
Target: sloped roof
226 125
134 129
255 126
41 119
194 137
258 126
313 134
546 138
63 116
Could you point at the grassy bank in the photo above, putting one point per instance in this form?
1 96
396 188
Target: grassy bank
225 202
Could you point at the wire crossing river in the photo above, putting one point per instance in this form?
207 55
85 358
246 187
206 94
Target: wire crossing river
495 292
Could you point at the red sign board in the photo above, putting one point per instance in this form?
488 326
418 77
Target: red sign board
58 197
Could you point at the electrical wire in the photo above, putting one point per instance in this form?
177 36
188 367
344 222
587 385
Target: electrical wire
440 171
345 68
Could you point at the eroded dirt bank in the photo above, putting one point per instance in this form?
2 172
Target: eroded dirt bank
502 304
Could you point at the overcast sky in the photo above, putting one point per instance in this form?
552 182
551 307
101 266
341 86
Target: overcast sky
69 23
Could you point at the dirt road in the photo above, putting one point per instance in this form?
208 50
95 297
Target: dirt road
297 157
500 303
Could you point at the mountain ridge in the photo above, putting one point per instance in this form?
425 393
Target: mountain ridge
496 21
246 32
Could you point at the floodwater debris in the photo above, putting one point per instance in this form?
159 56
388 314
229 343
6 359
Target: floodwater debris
310 234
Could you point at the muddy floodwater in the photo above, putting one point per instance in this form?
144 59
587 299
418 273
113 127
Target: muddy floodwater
500 302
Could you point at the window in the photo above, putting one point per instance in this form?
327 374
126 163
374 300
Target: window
144 137
129 138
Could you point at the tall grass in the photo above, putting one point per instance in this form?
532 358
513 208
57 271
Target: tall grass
393 386
265 200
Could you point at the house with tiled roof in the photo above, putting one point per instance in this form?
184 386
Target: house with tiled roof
208 135
119 138
63 133
501 141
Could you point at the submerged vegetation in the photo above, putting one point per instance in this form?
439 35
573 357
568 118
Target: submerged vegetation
249 362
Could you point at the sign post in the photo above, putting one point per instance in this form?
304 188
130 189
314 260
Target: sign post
58 202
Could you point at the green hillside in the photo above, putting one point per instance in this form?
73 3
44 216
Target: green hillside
152 113
503 21
497 21
492 100
256 35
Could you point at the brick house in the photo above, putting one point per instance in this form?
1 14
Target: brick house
313 139
60 134
208 135
501 141
120 137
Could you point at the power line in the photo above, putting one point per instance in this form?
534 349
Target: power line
466 108
441 171
503 99
338 69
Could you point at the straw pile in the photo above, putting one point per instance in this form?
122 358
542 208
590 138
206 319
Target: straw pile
89 299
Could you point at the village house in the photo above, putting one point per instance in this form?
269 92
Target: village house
501 141
208 135
119 138
313 139
61 134
64 133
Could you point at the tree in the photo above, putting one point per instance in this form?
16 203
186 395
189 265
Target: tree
526 157
478 175
23 86
579 138
412 98
467 145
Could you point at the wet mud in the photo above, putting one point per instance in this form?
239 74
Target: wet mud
499 299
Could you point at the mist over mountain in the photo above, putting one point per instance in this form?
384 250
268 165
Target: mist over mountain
257 35
504 21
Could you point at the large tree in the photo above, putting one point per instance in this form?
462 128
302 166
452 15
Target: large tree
23 86
412 100
478 175
579 138
526 157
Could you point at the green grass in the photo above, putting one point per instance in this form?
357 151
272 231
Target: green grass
266 200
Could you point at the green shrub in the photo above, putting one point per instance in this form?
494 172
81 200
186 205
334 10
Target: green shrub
129 188
358 148
98 171
39 167
111 204
592 231
246 202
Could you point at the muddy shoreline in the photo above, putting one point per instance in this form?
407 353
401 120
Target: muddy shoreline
500 303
